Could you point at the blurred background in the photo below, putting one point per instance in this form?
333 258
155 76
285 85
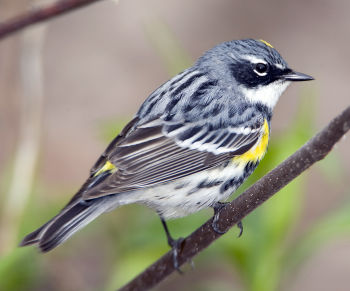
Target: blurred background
67 88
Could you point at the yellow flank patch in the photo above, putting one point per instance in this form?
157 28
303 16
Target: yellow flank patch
257 152
108 166
267 43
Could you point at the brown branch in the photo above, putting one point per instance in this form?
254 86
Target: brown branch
314 150
37 15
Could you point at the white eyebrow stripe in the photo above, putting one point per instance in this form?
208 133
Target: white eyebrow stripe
254 59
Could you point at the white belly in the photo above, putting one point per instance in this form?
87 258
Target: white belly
193 193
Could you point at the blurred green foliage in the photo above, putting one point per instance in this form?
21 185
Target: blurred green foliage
132 237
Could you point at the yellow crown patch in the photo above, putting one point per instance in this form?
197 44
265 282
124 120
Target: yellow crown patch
265 42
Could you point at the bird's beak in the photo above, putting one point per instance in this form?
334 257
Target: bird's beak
296 76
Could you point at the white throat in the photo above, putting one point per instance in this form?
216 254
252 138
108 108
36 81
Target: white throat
268 94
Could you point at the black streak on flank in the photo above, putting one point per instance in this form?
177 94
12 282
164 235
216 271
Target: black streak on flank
205 184
249 168
234 182
180 186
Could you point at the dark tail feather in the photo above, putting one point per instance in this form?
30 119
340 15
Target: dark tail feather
32 238
65 224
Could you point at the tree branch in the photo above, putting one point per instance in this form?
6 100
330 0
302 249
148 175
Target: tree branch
314 150
37 15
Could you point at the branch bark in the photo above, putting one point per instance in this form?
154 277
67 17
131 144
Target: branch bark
314 150
37 15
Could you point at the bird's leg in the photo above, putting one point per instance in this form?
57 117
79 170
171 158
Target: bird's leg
175 244
217 206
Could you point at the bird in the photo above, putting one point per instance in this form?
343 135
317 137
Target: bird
191 144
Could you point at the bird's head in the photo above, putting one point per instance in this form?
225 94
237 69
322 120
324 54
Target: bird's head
253 67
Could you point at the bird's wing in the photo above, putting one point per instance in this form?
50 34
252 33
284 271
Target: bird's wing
155 153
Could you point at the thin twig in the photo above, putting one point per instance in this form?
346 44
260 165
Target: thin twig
40 14
314 150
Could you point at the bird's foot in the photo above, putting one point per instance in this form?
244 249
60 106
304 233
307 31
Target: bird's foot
217 208
176 246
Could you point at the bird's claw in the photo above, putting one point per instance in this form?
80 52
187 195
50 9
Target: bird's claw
214 225
217 207
240 226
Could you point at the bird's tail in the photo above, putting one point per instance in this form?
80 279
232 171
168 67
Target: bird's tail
65 224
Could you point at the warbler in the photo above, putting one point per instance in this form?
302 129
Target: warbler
191 144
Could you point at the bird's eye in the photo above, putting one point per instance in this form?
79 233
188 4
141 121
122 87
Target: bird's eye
261 69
